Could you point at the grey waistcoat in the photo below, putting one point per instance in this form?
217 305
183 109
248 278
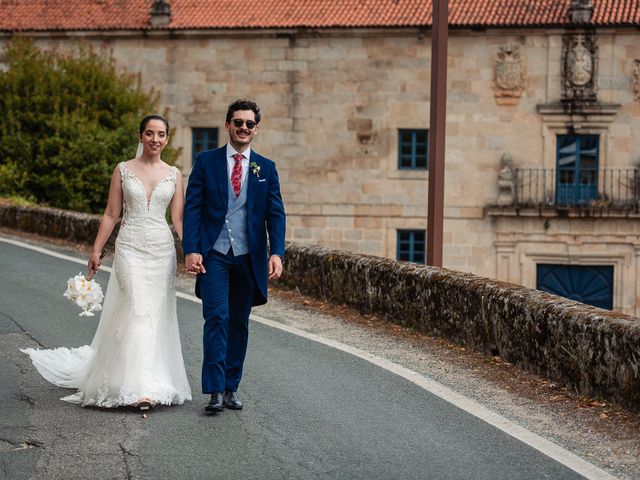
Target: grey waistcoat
234 233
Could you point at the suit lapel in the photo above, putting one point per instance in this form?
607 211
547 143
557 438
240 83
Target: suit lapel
252 186
221 175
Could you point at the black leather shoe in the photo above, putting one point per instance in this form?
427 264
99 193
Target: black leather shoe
231 401
215 405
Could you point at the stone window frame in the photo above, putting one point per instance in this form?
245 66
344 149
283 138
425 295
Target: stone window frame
554 125
555 122
621 265
393 172
585 274
390 236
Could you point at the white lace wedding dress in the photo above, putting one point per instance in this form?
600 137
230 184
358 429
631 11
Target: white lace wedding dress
135 353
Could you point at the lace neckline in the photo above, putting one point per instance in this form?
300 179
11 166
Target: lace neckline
149 197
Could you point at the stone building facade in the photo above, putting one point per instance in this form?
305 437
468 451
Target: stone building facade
542 130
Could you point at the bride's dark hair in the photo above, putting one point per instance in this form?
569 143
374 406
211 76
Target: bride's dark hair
148 118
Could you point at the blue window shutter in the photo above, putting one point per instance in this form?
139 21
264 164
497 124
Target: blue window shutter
411 246
203 139
577 158
590 284
413 149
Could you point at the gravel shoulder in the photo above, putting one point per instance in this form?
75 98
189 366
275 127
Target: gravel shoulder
602 433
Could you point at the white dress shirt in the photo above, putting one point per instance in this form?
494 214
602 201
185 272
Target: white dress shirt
231 162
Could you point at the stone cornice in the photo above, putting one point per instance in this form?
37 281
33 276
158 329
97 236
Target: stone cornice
587 113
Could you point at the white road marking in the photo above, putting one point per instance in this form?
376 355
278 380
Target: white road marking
50 253
550 449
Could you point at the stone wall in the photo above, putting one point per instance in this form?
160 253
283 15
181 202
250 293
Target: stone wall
596 351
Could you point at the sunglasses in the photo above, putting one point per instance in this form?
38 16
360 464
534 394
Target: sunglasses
239 122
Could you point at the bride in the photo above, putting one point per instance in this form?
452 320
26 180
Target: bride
135 357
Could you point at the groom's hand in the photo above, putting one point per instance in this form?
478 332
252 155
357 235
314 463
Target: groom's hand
193 264
275 267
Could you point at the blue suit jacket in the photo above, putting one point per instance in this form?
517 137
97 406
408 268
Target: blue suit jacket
207 202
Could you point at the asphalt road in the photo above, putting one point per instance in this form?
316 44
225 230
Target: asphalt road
311 411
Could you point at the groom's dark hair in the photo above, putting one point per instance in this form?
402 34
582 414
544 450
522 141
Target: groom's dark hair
241 104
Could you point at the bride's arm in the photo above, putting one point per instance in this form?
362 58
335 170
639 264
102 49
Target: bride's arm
108 222
177 206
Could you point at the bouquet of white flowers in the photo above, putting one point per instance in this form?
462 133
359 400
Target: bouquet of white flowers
87 294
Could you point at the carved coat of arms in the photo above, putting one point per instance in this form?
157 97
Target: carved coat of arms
579 63
510 75
579 67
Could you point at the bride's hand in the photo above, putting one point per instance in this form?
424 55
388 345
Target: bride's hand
193 264
93 265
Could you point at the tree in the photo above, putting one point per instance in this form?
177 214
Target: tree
66 121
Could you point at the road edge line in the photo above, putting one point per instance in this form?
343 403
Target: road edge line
547 447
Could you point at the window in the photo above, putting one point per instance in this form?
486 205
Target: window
411 245
203 139
591 284
577 169
413 149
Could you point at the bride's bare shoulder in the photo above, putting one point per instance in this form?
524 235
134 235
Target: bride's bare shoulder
167 167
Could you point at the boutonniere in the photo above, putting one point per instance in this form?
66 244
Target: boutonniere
255 169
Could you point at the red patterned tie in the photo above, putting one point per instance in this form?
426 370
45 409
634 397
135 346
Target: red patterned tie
236 174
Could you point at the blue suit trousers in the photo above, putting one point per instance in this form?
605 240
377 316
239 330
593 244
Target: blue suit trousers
227 291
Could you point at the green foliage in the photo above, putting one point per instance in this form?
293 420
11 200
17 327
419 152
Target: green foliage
67 120
15 200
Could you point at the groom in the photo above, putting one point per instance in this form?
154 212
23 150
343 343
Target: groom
233 203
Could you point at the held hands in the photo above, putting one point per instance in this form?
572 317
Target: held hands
193 264
275 267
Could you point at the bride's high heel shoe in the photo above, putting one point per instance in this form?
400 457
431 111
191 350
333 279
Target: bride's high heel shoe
144 405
